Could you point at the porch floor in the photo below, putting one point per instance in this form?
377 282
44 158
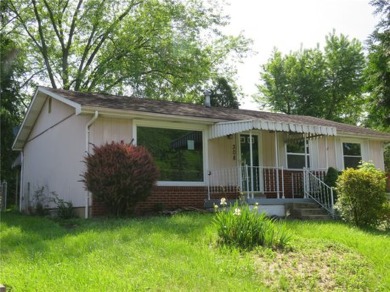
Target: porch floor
262 201
297 208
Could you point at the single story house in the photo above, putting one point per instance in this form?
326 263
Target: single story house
203 152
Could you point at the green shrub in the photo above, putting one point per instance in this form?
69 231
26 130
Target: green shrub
331 179
120 175
361 195
243 228
385 217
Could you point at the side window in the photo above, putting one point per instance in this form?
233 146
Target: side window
352 154
297 157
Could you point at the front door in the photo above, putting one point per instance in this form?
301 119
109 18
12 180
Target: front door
250 175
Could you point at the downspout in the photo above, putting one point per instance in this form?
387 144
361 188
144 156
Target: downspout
87 127
21 190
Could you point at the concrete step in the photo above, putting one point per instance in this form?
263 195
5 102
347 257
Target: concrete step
316 217
311 211
308 211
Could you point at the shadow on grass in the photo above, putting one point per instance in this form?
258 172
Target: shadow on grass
35 232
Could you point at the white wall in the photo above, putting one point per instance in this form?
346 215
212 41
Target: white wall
53 154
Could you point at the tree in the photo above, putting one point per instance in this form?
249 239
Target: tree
344 79
160 49
290 83
222 95
10 106
378 69
311 82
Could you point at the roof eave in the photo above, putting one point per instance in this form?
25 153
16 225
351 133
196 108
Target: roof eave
131 114
364 136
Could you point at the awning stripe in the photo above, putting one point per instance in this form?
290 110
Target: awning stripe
232 127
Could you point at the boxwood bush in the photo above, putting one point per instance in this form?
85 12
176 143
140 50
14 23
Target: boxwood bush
361 195
120 175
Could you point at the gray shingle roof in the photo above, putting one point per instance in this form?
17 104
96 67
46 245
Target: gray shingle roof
170 108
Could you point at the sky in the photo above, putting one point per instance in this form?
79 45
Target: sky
289 25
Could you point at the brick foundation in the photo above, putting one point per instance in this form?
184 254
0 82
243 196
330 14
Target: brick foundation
163 198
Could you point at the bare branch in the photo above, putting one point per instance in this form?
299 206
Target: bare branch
44 46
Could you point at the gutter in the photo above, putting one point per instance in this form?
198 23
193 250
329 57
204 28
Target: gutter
87 127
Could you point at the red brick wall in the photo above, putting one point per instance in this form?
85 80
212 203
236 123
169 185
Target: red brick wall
163 198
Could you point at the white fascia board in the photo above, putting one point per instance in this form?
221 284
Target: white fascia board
29 119
62 99
33 112
127 114
363 136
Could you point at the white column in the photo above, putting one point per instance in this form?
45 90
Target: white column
277 163
305 143
326 153
251 158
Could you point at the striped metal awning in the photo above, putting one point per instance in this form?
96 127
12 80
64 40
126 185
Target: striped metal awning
222 129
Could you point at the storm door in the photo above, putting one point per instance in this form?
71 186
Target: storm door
250 169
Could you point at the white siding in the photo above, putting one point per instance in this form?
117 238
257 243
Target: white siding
106 130
53 154
223 153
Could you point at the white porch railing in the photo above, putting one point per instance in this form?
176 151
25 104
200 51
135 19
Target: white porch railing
319 191
257 180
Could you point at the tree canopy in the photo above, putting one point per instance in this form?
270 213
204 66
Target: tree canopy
10 105
378 69
153 48
222 95
326 84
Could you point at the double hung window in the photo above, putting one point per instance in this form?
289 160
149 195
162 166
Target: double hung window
352 155
297 156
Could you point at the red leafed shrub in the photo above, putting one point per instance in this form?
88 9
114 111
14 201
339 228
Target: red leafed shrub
120 175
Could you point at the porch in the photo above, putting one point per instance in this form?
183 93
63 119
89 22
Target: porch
275 189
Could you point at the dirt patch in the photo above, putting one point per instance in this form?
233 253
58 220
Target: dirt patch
327 267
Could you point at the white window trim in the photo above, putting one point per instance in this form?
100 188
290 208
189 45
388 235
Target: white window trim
352 141
296 153
178 126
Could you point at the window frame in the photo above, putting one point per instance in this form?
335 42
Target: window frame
306 155
177 126
354 156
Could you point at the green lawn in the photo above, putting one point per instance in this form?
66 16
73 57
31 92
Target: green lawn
179 254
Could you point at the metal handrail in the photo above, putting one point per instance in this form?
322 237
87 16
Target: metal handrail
319 191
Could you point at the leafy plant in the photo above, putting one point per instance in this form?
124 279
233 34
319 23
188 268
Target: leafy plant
245 228
331 179
361 195
120 175
40 202
64 208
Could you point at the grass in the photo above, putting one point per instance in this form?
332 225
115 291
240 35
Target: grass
179 253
